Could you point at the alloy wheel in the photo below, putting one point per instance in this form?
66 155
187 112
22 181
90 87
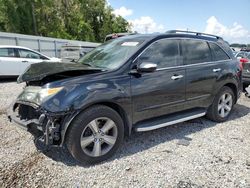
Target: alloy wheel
225 105
99 137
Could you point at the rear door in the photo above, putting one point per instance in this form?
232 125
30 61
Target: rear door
9 62
202 71
162 91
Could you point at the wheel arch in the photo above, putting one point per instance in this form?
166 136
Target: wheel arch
112 105
234 89
121 112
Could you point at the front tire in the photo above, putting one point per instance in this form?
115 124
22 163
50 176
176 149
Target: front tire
222 105
95 134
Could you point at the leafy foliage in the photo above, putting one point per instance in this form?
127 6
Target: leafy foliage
87 20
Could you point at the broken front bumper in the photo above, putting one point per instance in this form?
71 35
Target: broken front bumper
39 122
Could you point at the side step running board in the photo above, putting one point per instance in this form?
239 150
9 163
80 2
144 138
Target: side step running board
173 119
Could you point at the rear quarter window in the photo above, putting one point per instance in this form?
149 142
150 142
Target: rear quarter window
218 53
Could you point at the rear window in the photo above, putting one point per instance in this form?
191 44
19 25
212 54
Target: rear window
218 53
195 51
7 52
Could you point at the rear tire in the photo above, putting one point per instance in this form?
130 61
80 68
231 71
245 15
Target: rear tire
222 105
95 134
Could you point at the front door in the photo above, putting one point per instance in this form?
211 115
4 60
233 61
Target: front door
27 58
162 91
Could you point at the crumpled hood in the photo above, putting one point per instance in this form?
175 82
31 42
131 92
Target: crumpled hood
38 71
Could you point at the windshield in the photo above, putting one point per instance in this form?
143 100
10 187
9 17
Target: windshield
112 54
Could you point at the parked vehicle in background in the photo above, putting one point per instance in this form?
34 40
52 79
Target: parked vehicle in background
14 60
248 55
139 82
71 53
244 58
116 35
245 49
240 54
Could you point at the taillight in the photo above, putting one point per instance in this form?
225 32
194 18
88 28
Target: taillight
242 62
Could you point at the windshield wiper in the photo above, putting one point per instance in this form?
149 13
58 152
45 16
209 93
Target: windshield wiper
95 66
88 64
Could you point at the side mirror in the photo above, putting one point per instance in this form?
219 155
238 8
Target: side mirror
147 67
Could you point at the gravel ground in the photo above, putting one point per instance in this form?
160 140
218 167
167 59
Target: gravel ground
198 153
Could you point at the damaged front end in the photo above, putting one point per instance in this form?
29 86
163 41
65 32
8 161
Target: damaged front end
45 106
27 111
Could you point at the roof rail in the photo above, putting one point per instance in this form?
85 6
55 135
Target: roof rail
192 32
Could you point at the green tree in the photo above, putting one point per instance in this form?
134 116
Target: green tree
87 20
16 16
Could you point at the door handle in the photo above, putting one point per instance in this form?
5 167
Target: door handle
176 77
24 61
217 70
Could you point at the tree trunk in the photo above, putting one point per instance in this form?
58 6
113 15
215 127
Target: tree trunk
34 18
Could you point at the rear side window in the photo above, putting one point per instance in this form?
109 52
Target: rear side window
195 51
218 53
164 53
7 52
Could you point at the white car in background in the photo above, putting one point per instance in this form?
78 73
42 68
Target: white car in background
15 59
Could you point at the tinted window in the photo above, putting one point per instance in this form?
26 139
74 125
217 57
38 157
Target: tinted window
7 52
163 52
218 53
195 51
28 54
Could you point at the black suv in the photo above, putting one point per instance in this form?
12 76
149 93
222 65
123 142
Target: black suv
136 82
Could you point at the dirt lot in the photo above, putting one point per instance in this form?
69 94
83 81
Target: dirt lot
198 153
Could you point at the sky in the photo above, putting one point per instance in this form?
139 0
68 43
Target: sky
227 18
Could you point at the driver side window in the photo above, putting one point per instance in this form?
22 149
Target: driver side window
164 53
28 54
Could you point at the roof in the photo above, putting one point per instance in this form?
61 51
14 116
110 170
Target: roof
12 46
21 47
177 33
182 34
